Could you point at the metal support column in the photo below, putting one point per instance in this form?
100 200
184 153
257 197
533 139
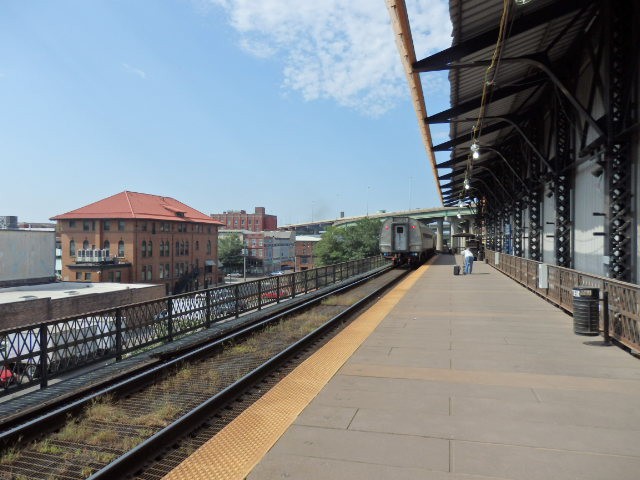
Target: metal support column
620 34
562 188
517 228
535 251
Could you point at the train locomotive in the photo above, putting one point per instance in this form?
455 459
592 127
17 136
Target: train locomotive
406 241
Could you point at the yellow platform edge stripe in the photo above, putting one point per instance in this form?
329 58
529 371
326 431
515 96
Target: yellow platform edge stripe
237 449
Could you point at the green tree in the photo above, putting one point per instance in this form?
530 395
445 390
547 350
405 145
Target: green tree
341 244
230 252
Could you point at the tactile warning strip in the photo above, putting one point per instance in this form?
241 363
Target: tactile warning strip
237 448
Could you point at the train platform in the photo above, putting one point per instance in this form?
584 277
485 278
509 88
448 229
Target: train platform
446 377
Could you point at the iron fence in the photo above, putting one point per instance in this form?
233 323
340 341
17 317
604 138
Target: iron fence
624 310
35 353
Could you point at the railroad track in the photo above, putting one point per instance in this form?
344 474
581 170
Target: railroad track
142 427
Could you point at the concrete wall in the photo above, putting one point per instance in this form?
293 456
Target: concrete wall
547 242
26 255
17 314
588 197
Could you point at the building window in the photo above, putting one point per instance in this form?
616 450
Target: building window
121 248
106 245
87 275
167 271
144 248
106 225
167 246
111 276
72 224
197 245
161 272
186 248
72 248
85 245
150 249
149 272
144 273
177 248
121 225
143 227
86 226
181 248
78 275
118 276
208 247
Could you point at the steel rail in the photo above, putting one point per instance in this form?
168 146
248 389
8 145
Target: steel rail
139 455
54 413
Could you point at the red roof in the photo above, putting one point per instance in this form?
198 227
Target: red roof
139 205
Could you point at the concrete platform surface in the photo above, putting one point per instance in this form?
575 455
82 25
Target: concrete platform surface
469 377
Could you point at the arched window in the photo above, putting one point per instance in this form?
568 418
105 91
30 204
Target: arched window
209 247
167 247
72 248
150 249
161 271
149 272
85 245
144 249
106 245
121 248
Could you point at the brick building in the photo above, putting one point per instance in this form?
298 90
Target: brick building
305 257
241 220
140 238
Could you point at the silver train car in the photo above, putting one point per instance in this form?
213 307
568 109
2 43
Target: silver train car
406 241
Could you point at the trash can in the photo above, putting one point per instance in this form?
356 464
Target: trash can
586 319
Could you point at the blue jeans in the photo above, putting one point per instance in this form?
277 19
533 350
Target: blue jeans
468 265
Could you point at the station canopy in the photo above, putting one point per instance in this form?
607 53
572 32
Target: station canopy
501 65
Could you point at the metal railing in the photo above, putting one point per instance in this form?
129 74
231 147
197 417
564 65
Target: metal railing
624 298
35 353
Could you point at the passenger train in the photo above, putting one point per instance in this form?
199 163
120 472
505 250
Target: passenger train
406 241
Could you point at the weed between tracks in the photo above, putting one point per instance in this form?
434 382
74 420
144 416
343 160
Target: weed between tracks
110 427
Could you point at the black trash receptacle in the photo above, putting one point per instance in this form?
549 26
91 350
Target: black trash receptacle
586 318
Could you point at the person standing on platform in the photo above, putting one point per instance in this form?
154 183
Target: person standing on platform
468 260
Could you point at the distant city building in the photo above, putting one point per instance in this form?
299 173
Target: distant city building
140 238
241 220
305 256
266 252
27 257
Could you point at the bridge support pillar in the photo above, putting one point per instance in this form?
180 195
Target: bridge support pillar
439 233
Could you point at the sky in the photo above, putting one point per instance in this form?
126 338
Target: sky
298 106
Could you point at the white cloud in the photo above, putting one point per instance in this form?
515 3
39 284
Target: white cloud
332 49
134 70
